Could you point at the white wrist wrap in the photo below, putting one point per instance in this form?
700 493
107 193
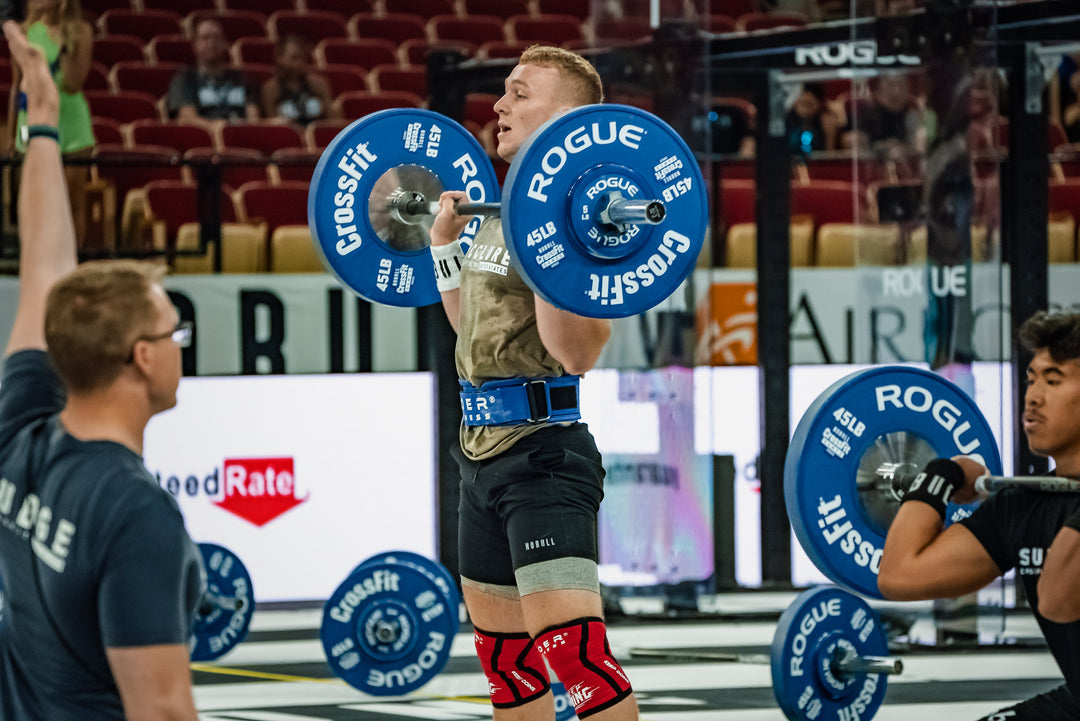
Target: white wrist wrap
447 265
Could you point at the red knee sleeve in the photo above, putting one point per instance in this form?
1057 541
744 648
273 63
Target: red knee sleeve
516 673
579 654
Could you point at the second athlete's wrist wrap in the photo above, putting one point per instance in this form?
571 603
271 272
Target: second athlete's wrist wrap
937 483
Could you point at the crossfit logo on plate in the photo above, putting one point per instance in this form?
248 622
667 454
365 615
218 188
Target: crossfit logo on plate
413 137
835 526
667 169
611 289
259 489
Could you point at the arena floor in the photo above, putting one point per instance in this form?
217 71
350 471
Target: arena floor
279 672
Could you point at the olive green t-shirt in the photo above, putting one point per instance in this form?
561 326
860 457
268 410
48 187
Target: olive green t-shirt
497 335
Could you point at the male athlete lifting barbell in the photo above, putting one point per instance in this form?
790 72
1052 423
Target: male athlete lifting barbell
1035 532
532 479
603 213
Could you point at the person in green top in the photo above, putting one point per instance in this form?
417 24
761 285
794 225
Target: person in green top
66 39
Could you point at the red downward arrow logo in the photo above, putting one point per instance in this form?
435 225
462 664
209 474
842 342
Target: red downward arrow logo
259 489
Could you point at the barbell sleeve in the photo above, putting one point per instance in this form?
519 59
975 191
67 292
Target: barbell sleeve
623 211
213 601
852 663
1054 484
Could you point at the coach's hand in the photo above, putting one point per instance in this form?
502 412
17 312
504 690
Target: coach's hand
42 96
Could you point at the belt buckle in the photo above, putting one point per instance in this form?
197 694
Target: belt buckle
536 393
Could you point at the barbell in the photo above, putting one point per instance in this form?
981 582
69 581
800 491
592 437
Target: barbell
604 208
858 447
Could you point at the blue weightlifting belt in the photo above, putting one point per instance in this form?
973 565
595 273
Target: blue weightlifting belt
520 400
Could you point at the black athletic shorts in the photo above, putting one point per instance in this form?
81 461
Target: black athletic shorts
1056 705
535 502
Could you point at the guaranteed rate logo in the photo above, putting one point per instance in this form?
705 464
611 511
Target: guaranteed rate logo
257 490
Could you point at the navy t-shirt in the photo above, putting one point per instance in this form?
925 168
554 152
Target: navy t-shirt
1016 526
88 538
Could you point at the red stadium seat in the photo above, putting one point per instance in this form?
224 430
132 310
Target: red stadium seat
170 49
504 9
253 50
257 74
578 9
720 23
829 201
609 31
264 137
238 165
107 131
319 133
415 52
127 170
275 205
393 77
151 79
476 29
143 25
737 202
749 22
181 137
236 23
175 203
295 164
112 49
861 170
557 29
479 107
124 106
312 25
261 6
734 8
363 53
1064 196
495 49
426 8
358 104
396 28
343 78
97 78
345 7
179 6
100 6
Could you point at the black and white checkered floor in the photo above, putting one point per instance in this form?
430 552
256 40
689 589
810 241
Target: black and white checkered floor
279 672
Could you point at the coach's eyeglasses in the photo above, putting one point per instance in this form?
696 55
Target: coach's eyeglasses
180 335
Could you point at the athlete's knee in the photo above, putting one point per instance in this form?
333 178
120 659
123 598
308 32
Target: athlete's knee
514 669
579 654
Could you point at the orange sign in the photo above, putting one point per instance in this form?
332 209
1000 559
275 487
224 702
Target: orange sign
727 325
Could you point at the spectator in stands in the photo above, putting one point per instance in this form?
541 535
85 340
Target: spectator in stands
211 93
67 40
296 93
892 124
811 126
1070 113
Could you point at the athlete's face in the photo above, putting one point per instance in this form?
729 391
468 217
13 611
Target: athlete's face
534 94
1052 409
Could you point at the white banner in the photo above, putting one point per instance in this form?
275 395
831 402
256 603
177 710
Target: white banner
302 477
